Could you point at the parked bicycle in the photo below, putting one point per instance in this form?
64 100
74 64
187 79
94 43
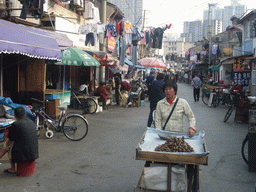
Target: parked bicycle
221 96
244 149
235 98
205 95
89 105
74 126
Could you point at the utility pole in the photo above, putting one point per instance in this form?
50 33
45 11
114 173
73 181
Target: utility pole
142 50
104 46
210 30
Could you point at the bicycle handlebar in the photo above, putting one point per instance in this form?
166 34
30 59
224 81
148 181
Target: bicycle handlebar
39 100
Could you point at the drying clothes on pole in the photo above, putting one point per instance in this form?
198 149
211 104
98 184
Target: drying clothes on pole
31 4
158 38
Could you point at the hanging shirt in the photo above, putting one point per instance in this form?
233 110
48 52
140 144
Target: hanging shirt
117 29
121 27
158 38
128 28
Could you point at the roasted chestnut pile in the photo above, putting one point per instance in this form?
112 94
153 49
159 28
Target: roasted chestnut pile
175 144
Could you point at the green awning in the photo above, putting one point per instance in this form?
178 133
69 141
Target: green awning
77 57
214 68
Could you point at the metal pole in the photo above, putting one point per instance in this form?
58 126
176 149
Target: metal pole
105 42
209 32
2 74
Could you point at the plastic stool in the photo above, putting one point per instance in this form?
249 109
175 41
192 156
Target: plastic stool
142 102
26 168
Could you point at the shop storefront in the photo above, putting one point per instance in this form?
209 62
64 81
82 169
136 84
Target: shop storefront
76 68
23 53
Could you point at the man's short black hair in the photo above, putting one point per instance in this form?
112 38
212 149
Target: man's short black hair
137 84
102 83
19 112
161 76
171 84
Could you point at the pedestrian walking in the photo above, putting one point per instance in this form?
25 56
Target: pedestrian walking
156 95
196 83
117 88
149 81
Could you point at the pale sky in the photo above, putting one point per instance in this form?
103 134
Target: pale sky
162 12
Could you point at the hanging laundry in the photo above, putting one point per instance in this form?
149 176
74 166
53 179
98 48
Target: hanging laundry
214 49
111 27
117 28
128 28
128 38
84 29
90 39
99 30
121 27
158 38
32 4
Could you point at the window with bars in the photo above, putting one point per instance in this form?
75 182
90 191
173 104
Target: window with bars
253 29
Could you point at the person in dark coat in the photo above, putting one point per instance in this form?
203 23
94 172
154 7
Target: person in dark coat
149 81
24 135
156 95
117 87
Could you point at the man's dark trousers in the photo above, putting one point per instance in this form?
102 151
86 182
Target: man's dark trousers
150 117
196 94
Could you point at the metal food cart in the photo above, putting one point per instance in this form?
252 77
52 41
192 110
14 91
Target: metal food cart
4 124
151 139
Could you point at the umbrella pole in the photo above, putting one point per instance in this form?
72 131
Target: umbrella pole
63 84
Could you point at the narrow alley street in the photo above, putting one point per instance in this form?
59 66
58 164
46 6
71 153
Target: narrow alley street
105 160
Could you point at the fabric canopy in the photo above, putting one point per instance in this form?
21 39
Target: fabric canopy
62 39
72 56
98 55
152 62
128 62
214 68
29 41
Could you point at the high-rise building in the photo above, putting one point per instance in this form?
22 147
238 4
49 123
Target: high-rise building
132 10
224 14
235 9
192 31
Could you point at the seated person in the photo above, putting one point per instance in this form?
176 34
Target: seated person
84 88
103 93
133 94
7 148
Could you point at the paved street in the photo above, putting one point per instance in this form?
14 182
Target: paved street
105 159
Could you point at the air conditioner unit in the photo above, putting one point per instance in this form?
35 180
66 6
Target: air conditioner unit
78 3
218 39
88 10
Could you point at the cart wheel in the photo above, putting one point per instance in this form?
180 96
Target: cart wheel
49 134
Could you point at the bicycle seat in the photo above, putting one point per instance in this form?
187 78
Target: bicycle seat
63 108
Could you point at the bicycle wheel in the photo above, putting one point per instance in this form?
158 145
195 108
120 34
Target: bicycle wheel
227 101
89 106
215 101
245 149
205 98
75 127
228 114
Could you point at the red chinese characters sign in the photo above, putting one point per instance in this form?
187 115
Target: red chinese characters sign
111 44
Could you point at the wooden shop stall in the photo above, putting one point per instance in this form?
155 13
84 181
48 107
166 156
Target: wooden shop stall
23 67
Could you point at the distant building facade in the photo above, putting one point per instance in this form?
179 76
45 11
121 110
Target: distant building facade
224 14
132 10
192 31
